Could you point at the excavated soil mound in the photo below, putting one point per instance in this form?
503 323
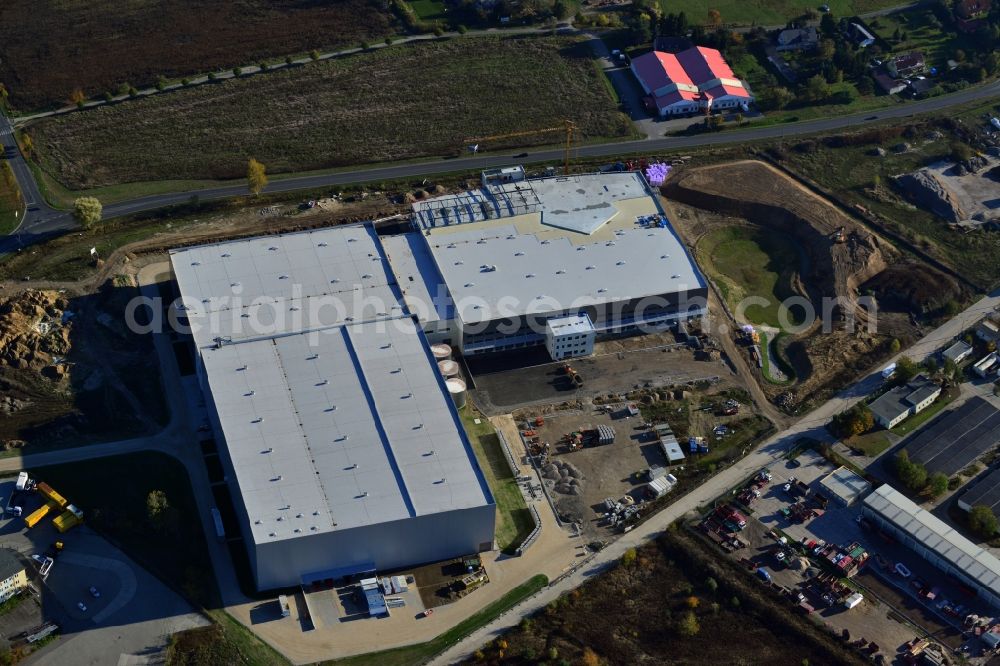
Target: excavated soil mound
757 192
928 191
841 256
32 331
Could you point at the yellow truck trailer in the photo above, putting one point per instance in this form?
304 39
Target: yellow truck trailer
39 513
68 519
51 495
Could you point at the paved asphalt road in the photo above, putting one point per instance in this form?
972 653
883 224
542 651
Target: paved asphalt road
46 221
768 454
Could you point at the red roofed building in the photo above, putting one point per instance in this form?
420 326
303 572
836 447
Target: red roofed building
689 81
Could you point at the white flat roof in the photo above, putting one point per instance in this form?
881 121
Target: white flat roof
339 428
845 484
272 285
417 277
535 275
584 203
570 325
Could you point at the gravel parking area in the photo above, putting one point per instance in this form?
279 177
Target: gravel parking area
505 382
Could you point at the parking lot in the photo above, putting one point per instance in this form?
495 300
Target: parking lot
134 613
897 598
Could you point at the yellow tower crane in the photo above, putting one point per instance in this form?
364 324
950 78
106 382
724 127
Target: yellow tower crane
568 126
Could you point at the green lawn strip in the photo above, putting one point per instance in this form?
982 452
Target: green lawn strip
514 521
923 33
858 104
766 12
870 444
765 343
416 654
913 422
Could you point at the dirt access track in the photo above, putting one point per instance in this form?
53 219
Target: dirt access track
840 256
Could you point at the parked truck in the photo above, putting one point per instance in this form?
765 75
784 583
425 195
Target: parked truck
50 494
68 519
36 516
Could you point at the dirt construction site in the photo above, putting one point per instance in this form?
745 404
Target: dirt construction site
840 259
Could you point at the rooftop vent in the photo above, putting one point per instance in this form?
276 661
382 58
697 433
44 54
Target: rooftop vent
363 494
259 419
519 254
322 244
196 263
620 263
440 481
408 395
269 449
675 276
298 515
601 290
590 268
580 249
256 522
282 277
470 284
313 357
418 426
334 281
530 275
323 382
560 272
226 254
350 467
459 263
234 285
273 248
241 368
250 393
277 478
352 240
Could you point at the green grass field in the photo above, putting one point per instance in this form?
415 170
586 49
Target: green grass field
429 10
514 521
11 204
404 102
751 263
767 12
870 444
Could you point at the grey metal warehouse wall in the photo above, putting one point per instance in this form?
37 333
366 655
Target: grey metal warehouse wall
387 546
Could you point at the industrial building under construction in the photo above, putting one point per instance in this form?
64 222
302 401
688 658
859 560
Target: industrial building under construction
343 450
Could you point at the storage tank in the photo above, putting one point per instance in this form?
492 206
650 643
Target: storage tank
448 368
441 351
456 387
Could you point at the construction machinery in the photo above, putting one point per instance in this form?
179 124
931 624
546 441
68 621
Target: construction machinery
568 126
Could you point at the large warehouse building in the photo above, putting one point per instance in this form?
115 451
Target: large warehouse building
555 262
935 541
341 445
343 450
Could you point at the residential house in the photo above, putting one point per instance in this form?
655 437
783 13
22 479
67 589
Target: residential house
970 15
691 81
797 39
970 9
893 406
922 86
888 84
13 578
906 65
957 352
862 37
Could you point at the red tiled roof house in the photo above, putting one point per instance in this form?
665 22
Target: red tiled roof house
689 81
